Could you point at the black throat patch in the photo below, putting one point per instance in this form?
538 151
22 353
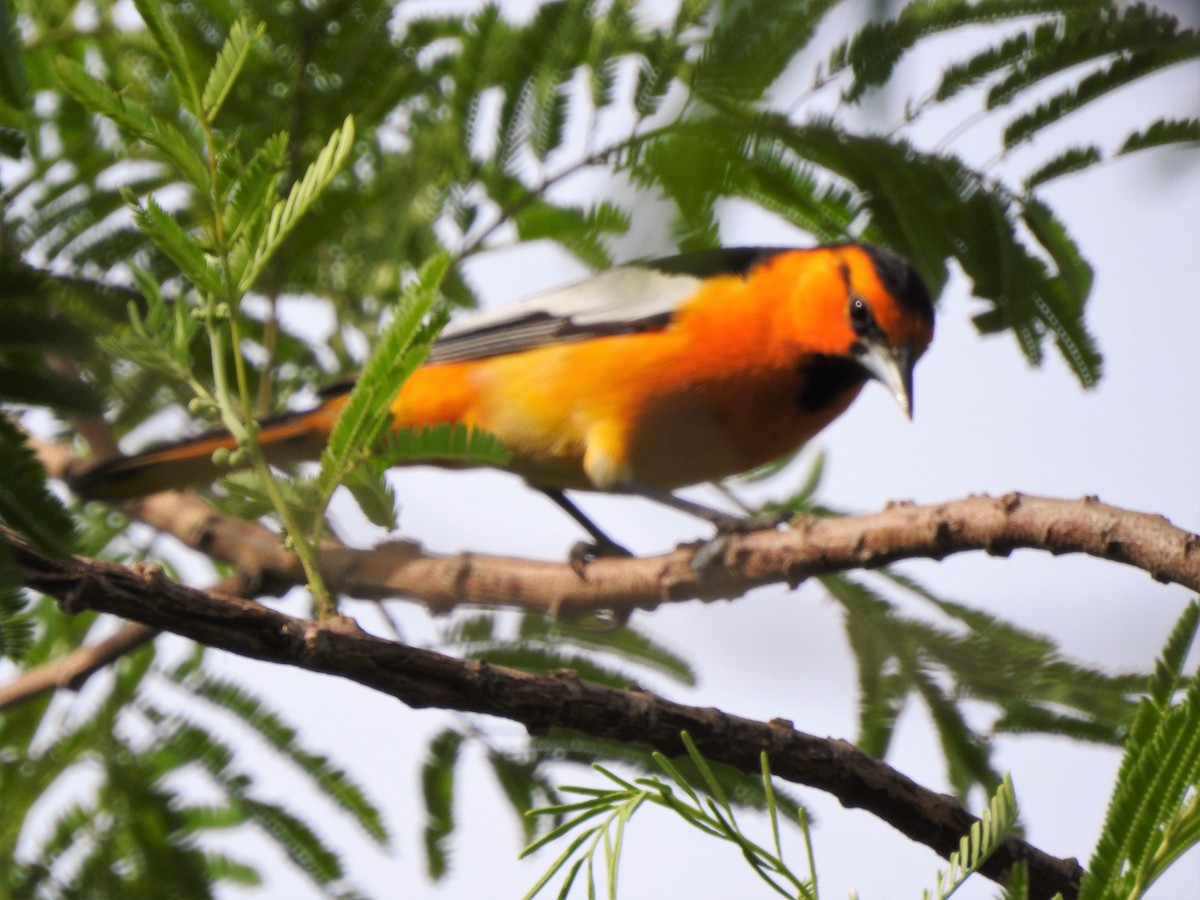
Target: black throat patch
825 379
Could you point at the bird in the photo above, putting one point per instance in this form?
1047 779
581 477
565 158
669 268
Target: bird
642 379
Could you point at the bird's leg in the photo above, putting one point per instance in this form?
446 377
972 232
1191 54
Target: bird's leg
725 523
583 552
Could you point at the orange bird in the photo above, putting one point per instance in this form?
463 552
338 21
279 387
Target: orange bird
640 380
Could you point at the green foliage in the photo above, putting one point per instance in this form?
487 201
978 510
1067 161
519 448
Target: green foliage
613 656
16 627
252 712
138 830
546 645
1154 813
985 838
14 84
174 185
713 814
972 656
232 58
26 504
437 789
1162 133
286 214
400 349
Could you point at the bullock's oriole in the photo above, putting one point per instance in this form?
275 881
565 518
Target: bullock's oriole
641 380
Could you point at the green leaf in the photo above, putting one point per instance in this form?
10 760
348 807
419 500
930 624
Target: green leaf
627 643
398 351
437 788
14 83
1161 133
286 214
1150 818
253 194
230 60
440 443
520 781
26 503
16 625
134 120
301 844
329 779
1122 72
169 236
544 660
580 232
752 44
1076 159
172 52
1167 680
374 496
984 839
875 50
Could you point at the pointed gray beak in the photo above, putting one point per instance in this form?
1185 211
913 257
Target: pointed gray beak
891 366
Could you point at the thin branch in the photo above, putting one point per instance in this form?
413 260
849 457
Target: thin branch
422 678
72 669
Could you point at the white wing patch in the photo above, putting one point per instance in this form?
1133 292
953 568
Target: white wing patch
619 301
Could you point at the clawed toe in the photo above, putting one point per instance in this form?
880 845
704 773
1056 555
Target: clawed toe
585 552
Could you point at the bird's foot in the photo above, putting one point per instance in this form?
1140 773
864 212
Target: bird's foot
712 549
585 552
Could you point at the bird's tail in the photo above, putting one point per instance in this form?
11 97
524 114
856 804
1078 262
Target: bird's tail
290 437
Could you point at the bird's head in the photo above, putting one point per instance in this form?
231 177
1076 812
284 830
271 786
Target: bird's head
863 305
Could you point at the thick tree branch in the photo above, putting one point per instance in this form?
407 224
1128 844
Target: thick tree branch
812 546
421 678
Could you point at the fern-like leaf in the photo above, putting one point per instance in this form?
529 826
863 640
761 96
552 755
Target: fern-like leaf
398 351
26 503
252 195
287 213
1161 133
1120 73
443 442
984 839
133 120
752 44
301 844
1076 159
172 51
16 625
234 53
877 48
437 788
1156 783
172 240
628 643
333 782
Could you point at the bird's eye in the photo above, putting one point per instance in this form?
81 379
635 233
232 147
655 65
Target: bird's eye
861 319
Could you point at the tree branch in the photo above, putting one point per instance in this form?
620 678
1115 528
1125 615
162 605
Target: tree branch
811 546
72 669
422 678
